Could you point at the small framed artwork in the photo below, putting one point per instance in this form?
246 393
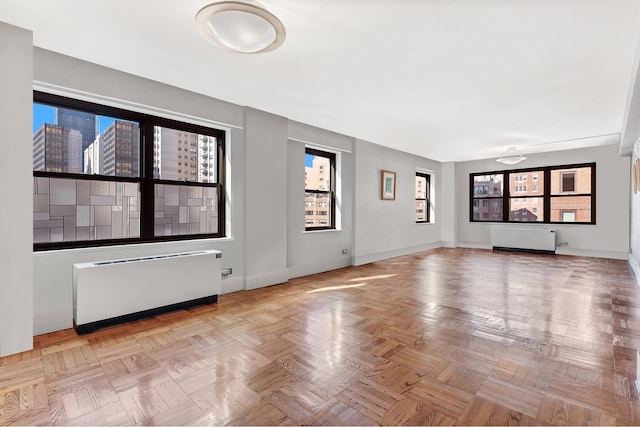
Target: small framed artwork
388 185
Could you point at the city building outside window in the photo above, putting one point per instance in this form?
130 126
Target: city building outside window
422 197
562 194
93 186
319 190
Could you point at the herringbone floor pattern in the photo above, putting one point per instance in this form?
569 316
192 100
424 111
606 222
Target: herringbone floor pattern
447 336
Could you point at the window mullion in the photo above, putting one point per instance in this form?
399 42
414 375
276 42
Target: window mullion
146 183
546 196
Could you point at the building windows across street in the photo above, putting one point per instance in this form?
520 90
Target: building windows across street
319 190
105 176
423 205
561 194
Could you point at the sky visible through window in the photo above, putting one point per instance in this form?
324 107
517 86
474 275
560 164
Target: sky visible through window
308 160
45 114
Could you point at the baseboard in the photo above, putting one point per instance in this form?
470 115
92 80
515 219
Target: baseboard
563 250
231 284
636 273
448 244
319 267
474 245
366 259
266 279
52 321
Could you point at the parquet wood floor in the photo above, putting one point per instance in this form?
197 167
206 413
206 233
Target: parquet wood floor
442 337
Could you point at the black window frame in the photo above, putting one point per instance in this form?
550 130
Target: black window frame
145 180
427 199
331 193
546 193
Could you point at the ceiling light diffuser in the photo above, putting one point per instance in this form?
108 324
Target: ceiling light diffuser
511 157
240 26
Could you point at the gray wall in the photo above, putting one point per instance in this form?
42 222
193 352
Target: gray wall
609 238
16 226
634 239
387 228
266 242
315 251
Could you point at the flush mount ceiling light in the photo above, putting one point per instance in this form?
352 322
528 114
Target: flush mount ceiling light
511 157
241 26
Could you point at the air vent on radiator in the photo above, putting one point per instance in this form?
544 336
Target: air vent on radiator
116 291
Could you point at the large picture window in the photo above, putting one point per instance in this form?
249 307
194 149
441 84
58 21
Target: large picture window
105 176
319 178
557 194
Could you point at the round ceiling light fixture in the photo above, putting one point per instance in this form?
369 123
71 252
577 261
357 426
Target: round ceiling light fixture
240 26
511 157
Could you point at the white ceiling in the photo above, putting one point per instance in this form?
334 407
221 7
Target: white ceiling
450 80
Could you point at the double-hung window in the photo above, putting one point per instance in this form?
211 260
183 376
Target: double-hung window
319 211
423 205
105 176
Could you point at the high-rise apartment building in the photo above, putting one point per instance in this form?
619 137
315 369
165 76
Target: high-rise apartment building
120 145
317 210
184 156
57 149
85 123
94 157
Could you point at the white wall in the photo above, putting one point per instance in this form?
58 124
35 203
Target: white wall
447 201
265 198
387 228
55 73
16 227
317 251
634 235
266 242
608 238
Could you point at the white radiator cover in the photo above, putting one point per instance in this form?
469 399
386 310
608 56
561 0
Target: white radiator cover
109 289
524 238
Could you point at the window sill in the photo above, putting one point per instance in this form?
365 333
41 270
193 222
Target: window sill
328 230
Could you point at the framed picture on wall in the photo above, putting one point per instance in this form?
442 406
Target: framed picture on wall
388 185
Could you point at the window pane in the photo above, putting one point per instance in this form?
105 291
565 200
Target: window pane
489 211
421 187
488 185
317 211
526 183
580 206
575 180
72 141
182 210
67 210
421 210
317 172
184 156
530 209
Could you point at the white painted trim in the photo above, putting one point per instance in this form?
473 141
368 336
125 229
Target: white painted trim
231 284
319 146
474 245
635 268
129 105
379 256
592 253
266 279
320 267
52 321
423 170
